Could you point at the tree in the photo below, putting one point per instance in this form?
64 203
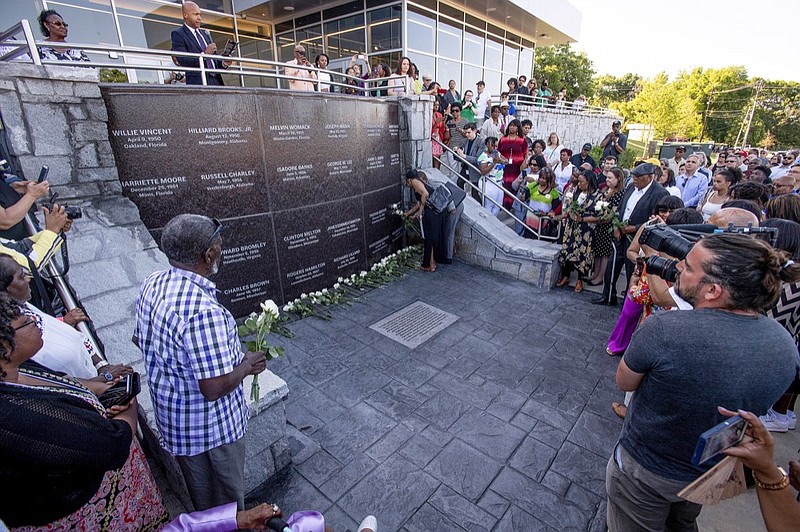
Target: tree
610 90
563 67
777 116
661 105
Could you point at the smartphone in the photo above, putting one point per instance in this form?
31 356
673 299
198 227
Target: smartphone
122 392
43 174
718 438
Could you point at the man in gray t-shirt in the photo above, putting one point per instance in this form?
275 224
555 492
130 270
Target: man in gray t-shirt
683 365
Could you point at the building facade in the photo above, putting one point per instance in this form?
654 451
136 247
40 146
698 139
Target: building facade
478 40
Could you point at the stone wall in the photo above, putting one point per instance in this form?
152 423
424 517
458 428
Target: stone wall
573 128
54 115
485 241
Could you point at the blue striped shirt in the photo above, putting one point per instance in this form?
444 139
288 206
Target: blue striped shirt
187 336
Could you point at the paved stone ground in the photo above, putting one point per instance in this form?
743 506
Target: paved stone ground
502 421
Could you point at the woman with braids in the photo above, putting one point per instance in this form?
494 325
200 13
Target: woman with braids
68 462
786 207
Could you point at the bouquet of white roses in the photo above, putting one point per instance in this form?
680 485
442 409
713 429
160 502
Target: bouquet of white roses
260 325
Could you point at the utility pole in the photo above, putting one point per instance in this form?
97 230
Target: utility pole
705 117
759 86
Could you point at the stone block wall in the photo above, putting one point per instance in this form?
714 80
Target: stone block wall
572 127
55 116
485 241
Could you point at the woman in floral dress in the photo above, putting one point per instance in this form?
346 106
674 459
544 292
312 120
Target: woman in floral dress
576 251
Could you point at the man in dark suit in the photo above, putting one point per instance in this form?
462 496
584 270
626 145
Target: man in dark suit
637 207
190 38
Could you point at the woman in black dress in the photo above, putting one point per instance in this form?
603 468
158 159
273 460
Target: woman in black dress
433 225
576 251
603 232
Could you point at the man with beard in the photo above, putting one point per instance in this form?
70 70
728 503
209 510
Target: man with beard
195 363
708 354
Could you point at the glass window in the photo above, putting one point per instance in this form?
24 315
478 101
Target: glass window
220 6
286 47
16 10
473 47
254 48
383 32
449 41
472 75
526 62
447 70
147 25
494 84
93 25
425 64
344 9
311 39
345 37
421 32
390 59
510 59
493 54
451 12
475 21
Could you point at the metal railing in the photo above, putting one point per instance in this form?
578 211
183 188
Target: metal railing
526 102
15 50
515 200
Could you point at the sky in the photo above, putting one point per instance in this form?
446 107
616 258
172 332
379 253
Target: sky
648 36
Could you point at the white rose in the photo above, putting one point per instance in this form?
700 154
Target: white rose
336 286
270 307
303 296
324 290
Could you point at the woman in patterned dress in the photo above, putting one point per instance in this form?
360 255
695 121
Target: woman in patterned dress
576 250
55 30
603 232
68 462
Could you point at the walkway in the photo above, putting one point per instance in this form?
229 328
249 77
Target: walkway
502 421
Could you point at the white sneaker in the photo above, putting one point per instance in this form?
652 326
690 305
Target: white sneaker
775 422
792 419
369 523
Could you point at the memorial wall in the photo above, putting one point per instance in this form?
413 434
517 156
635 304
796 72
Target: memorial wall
303 183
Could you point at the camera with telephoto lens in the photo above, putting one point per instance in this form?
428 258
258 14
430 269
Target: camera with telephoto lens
667 240
678 240
72 213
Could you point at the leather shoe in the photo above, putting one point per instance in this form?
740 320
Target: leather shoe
579 286
563 282
599 301
619 409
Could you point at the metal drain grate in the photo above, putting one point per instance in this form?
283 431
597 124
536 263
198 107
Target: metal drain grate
414 324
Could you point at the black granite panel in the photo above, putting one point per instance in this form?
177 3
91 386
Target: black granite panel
384 230
249 271
318 244
205 158
379 127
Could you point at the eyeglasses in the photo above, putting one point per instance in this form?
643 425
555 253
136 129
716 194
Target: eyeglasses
534 165
29 322
664 209
215 234
731 161
58 24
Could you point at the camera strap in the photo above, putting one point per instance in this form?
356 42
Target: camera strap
44 302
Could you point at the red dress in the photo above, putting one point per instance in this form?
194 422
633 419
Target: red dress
516 151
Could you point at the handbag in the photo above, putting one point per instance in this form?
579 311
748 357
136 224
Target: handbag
439 199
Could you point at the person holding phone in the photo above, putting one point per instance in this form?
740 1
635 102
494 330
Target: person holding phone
300 59
729 279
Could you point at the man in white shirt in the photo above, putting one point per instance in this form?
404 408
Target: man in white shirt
482 102
783 169
300 59
676 162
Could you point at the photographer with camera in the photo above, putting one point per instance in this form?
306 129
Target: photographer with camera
703 358
614 143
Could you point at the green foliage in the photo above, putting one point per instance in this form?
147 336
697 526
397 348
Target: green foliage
113 75
612 90
662 105
776 123
563 67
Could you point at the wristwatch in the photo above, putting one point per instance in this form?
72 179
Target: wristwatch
782 484
101 364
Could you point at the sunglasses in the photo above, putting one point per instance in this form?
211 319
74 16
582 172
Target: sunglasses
58 24
215 234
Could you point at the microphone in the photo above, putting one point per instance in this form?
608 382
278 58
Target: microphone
278 524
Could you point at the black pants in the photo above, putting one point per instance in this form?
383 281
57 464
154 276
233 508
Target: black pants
473 191
614 268
434 226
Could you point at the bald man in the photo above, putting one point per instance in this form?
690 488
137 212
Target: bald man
733 215
300 59
190 38
783 185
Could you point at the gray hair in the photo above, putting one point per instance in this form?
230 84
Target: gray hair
185 237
